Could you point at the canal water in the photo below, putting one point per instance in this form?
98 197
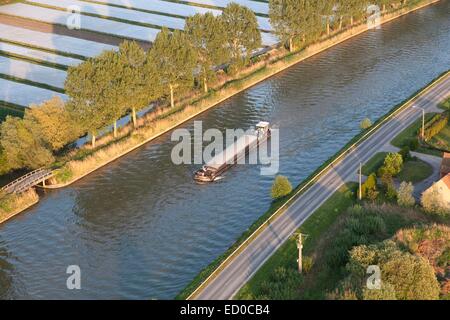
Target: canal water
141 228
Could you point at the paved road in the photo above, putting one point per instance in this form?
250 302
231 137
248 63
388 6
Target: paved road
228 282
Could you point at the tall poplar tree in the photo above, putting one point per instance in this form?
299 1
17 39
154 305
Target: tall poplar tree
112 87
88 88
140 84
326 9
207 34
173 58
242 29
293 19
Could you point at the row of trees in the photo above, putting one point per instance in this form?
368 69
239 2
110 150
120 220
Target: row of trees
31 142
104 88
297 21
435 125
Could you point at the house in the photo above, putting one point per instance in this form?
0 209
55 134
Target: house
445 165
442 189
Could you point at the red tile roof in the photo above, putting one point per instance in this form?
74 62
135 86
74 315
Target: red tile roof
446 180
445 165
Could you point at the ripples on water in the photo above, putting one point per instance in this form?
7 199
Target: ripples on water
140 228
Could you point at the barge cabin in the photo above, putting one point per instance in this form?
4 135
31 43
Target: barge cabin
227 158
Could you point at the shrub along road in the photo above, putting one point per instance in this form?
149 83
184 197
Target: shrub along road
243 266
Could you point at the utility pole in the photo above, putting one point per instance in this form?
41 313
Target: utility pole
422 135
423 124
300 254
360 181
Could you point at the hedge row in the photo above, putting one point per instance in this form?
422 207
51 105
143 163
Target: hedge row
436 124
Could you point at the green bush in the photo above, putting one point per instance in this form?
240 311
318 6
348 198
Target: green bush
368 188
414 144
360 227
411 276
387 292
391 192
365 124
282 284
307 264
405 153
393 164
433 203
281 187
405 196
445 104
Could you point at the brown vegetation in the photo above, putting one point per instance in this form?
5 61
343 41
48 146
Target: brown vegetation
12 204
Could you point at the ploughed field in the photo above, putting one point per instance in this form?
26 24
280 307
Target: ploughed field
33 63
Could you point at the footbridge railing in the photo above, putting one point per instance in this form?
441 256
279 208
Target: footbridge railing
27 181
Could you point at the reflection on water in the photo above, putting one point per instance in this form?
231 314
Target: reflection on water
141 228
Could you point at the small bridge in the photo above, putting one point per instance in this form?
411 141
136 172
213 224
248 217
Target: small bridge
28 181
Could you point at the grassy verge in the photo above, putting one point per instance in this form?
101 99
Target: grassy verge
12 204
374 163
405 138
314 227
415 170
213 265
445 105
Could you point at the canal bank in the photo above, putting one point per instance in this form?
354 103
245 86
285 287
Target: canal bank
277 62
11 205
204 278
132 226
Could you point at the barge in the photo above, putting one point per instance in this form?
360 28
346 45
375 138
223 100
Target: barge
212 170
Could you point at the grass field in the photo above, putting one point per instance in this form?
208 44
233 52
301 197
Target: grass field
414 171
445 105
442 139
404 139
